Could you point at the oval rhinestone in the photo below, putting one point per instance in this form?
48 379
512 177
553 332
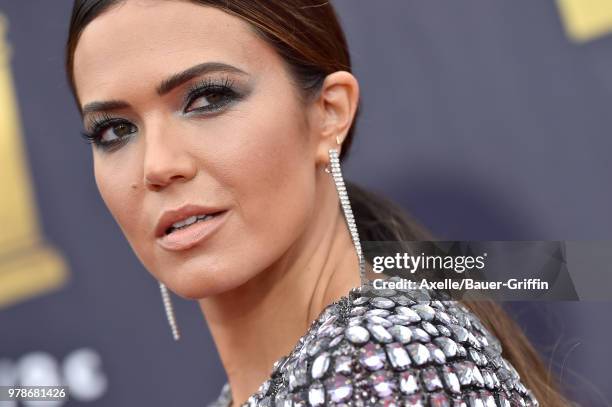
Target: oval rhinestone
399 319
443 330
316 395
320 365
420 335
398 357
425 311
430 328
376 320
357 334
448 346
450 380
477 378
408 313
460 333
335 341
380 333
382 302
385 292
443 317
418 352
377 312
401 333
402 300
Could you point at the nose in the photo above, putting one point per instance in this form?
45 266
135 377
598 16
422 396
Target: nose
166 160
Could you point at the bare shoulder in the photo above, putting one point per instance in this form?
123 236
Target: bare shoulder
395 348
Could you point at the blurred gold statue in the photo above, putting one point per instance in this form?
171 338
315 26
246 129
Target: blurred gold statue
28 266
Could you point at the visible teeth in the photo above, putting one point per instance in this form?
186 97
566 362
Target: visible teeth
189 221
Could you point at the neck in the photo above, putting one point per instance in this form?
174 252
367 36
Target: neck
257 323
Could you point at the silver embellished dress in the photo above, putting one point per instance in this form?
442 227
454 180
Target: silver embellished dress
381 347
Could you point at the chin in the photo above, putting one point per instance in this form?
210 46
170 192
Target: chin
194 283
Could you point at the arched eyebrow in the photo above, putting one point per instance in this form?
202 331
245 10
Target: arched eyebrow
167 84
102 106
207 67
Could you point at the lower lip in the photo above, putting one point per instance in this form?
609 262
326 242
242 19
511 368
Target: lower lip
188 237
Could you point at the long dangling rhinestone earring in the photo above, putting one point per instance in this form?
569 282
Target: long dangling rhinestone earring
334 163
169 311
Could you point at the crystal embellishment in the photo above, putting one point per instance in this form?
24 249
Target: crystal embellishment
419 353
382 302
320 365
380 333
391 348
408 383
339 388
316 395
382 383
401 333
372 356
357 334
398 356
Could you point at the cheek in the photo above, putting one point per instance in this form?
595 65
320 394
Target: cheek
114 184
274 180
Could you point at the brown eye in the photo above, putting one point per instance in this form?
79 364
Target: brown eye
210 98
205 100
117 131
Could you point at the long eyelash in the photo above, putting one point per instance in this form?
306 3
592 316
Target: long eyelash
99 123
96 125
87 137
226 82
198 88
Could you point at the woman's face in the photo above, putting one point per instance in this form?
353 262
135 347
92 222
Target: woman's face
228 135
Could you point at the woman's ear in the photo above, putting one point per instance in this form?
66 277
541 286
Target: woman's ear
335 107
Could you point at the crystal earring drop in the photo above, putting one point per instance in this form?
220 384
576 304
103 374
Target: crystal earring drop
169 311
334 164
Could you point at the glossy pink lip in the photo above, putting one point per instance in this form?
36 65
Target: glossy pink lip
172 216
191 235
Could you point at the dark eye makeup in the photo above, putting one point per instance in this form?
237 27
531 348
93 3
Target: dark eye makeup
207 96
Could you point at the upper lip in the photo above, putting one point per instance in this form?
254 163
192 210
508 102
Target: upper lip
168 218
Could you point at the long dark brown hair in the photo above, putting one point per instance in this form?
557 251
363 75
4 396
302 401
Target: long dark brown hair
308 36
